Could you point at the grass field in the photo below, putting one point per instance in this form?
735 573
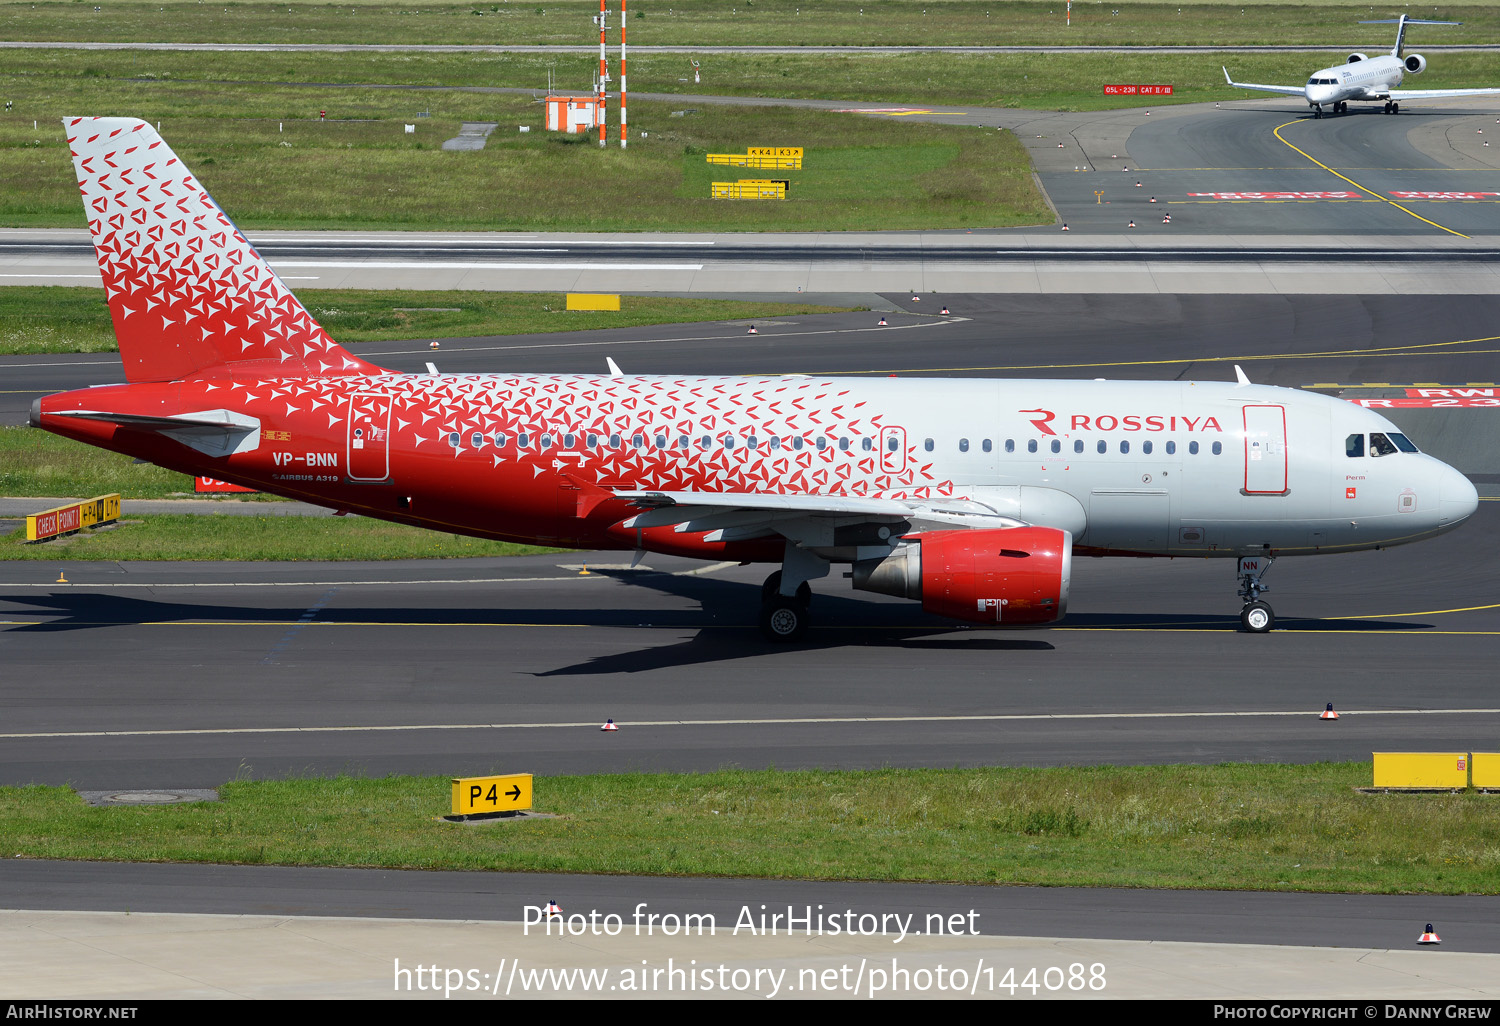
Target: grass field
64 319
753 22
268 170
247 124
1264 827
191 536
34 462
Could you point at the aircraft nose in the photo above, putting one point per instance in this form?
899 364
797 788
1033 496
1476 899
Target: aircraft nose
1457 497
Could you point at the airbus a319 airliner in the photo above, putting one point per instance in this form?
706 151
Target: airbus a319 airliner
972 496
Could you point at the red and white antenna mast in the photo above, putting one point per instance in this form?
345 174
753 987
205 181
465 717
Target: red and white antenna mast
622 74
603 76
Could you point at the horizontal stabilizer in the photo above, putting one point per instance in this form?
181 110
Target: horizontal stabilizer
212 432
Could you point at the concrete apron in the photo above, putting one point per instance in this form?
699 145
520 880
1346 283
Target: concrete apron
115 955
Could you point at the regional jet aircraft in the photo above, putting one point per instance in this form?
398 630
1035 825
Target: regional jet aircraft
971 496
1362 77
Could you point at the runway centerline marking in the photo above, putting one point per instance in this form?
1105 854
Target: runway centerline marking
1277 132
593 725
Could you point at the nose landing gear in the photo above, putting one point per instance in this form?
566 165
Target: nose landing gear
1256 617
1317 110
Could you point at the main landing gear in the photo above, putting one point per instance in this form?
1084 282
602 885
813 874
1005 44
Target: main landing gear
1256 617
786 595
1392 107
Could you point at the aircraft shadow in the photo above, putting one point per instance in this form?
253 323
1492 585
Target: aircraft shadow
720 614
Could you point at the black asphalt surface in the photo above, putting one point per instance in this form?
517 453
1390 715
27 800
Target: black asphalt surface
1465 923
1281 340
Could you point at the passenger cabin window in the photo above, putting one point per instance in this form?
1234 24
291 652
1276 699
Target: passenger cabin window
775 442
1056 445
1171 448
843 445
927 444
963 445
1010 445
1381 445
499 440
638 440
614 441
1146 448
1354 445
546 441
453 439
569 440
797 442
867 444
986 445
1218 448
1031 445
822 443
1124 446
476 439
752 442
1193 448
593 440
523 439
1103 447
891 444
1078 445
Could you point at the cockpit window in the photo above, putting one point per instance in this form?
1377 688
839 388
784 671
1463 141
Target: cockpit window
1381 445
1402 442
1354 445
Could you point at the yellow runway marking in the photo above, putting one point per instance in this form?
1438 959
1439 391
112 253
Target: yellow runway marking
1405 350
1430 612
1372 192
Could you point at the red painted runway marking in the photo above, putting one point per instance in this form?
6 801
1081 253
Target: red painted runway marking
1281 195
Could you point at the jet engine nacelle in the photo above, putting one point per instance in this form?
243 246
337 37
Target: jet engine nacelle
1012 576
1415 63
1355 58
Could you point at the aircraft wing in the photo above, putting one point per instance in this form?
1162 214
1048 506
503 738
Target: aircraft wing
1288 90
1433 94
737 516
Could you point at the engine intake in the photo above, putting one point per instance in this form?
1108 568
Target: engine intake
1355 58
1015 576
1415 63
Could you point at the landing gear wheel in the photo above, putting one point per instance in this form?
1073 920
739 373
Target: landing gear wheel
772 588
783 619
1317 112
1257 618
1395 107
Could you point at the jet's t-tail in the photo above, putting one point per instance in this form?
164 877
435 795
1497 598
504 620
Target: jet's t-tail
188 295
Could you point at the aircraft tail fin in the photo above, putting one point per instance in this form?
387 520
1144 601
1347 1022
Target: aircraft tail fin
1401 24
189 296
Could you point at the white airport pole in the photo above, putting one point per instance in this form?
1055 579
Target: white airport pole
603 78
622 74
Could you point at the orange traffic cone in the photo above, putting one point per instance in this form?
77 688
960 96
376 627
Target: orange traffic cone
1328 714
609 725
1428 937
752 331
553 911
433 344
945 309
1131 225
1137 185
882 320
1166 219
916 299
1059 145
1153 199
1065 226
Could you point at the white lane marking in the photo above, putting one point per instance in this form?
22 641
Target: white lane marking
594 724
421 265
308 240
